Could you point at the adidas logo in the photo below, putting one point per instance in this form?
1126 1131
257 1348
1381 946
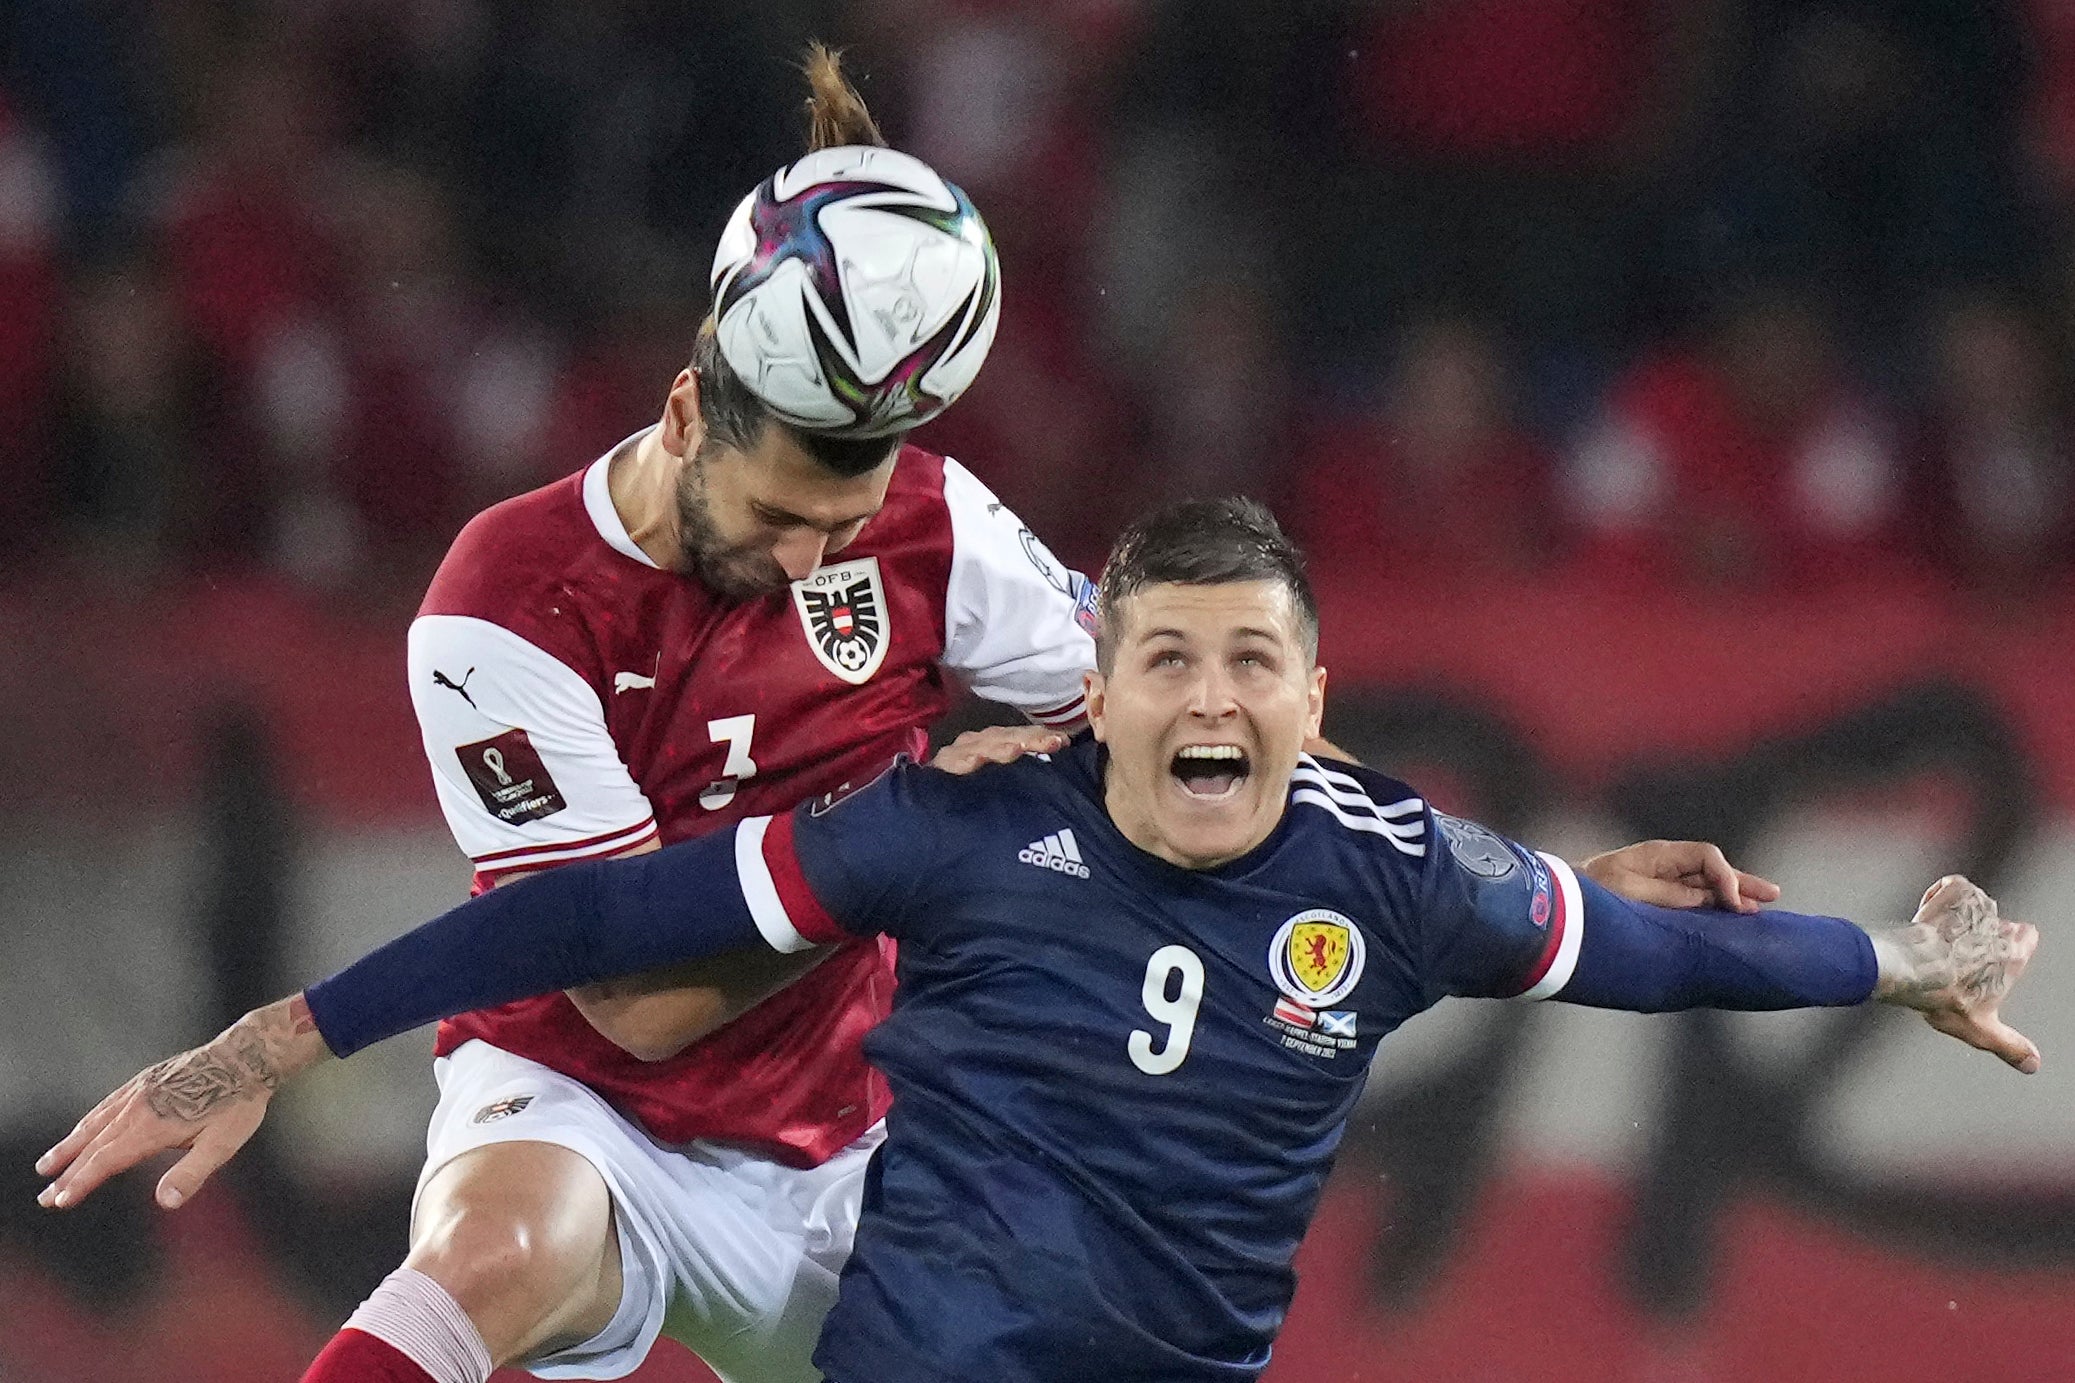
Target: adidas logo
1056 853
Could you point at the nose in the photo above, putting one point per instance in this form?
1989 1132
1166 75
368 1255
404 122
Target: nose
1214 696
800 552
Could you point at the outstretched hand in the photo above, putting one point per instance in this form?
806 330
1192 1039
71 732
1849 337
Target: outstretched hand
1954 962
997 744
1678 874
209 1101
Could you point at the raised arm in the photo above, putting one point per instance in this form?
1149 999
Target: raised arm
569 926
1954 962
779 881
1500 920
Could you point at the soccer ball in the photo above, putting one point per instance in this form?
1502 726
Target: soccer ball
856 292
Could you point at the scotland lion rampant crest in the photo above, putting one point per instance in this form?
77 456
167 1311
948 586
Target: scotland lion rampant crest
843 609
1317 957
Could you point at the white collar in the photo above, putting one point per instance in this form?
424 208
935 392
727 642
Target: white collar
598 504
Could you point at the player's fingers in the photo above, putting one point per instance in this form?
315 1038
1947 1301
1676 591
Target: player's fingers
2021 939
1756 888
112 1152
187 1176
1666 893
1723 882
1950 881
1991 1034
61 1153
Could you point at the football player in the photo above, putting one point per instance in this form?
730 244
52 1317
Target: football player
1142 982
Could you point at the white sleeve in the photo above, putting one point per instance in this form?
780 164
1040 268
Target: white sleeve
1017 624
526 771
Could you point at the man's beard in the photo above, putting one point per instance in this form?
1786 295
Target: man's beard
737 571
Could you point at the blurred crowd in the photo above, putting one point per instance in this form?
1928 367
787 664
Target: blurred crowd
1734 294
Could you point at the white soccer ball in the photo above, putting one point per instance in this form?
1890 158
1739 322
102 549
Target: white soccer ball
856 292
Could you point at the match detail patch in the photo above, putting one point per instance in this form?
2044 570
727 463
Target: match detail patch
510 778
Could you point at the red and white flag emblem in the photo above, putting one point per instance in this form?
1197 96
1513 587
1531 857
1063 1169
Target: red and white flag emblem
1294 1013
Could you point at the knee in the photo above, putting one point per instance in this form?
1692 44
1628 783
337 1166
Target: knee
523 1238
475 1250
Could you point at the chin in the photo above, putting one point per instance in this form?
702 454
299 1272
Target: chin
1206 844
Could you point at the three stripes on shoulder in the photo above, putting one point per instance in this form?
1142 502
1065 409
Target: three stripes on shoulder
1402 823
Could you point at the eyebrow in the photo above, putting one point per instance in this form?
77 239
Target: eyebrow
1246 631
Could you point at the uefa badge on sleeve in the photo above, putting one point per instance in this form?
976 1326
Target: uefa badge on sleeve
1478 849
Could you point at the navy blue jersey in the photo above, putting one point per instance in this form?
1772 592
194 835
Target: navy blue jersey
1119 1084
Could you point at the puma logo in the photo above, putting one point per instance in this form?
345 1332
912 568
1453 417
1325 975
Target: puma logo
630 681
440 679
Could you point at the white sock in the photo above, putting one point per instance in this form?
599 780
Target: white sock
417 1317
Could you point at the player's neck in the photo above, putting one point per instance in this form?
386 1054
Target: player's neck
642 480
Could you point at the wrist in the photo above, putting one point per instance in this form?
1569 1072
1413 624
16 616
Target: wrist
1887 963
278 1042
1901 973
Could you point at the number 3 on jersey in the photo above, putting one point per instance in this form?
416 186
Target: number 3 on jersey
1178 1012
735 732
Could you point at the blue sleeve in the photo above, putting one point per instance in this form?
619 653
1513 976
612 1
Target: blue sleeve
832 869
567 926
1494 916
1501 920
866 858
1653 960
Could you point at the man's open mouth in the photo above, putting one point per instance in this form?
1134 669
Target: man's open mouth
1210 771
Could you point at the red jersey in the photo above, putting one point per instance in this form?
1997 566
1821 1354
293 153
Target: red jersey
577 700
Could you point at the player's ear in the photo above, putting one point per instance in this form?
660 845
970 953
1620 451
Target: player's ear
682 430
1094 691
1315 710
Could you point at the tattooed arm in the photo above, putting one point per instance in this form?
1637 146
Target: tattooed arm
208 1101
1954 962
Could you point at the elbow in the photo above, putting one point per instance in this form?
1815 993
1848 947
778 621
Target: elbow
648 1026
645 1048
641 1041
629 1028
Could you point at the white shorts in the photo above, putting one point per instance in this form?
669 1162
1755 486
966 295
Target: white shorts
727 1253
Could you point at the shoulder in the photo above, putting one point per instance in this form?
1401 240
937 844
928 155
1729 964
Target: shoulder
915 494
1360 801
918 474
512 551
524 565
967 796
935 497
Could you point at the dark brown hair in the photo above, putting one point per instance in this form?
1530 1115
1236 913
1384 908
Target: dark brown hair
836 114
733 414
1203 542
